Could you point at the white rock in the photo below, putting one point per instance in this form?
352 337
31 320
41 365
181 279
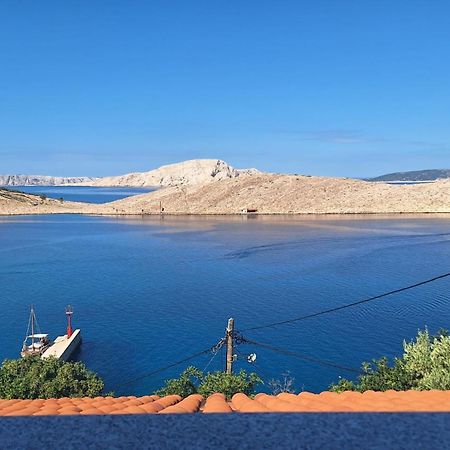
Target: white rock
41 180
193 172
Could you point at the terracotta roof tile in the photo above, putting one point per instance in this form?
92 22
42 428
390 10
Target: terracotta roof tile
216 403
190 404
245 404
369 401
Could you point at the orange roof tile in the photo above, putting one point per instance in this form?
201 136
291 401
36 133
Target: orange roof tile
216 403
369 401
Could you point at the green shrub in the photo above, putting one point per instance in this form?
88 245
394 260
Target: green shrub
185 385
425 365
194 381
229 384
33 377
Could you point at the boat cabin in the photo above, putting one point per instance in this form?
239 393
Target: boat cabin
35 344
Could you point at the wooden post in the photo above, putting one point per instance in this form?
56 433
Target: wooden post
229 337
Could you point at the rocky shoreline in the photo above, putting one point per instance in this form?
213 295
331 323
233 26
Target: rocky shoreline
264 194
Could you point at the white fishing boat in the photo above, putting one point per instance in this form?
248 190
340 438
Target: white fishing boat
35 342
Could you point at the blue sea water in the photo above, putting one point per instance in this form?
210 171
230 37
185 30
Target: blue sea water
83 193
150 291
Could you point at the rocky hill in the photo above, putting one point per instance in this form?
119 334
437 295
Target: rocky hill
193 172
41 180
197 171
261 193
290 194
414 176
15 202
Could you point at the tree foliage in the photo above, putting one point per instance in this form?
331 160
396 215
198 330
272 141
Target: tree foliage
186 384
229 384
425 365
194 381
33 377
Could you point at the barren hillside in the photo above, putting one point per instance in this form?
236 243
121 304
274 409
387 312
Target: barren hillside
289 194
14 203
268 194
196 171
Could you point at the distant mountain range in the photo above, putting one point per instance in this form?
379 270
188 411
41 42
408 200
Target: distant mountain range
41 180
196 171
193 172
415 175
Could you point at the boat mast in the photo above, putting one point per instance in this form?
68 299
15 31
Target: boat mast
32 327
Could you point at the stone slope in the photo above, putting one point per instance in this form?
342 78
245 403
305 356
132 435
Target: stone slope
268 194
197 171
290 194
17 203
193 172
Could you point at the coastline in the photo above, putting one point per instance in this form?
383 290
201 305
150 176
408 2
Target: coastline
255 195
378 215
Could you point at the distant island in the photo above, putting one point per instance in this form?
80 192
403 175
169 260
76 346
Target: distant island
213 187
41 180
188 173
196 171
414 176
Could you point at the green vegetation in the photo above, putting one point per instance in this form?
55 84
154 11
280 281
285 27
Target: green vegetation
194 381
33 377
425 365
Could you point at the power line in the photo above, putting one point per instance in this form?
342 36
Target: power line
300 356
162 369
217 348
348 305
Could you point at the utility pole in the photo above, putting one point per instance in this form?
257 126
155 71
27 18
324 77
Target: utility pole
229 338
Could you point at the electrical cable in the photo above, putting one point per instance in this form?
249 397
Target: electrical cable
348 305
218 346
300 356
215 351
162 369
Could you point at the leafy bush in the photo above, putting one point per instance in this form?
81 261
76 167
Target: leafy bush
229 384
194 381
425 365
33 377
186 384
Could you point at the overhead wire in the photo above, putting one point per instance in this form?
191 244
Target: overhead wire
215 351
219 346
162 369
348 305
300 355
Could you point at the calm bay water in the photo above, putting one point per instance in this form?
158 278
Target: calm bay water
150 291
83 193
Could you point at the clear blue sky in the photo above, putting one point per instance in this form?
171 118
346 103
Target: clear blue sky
346 88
